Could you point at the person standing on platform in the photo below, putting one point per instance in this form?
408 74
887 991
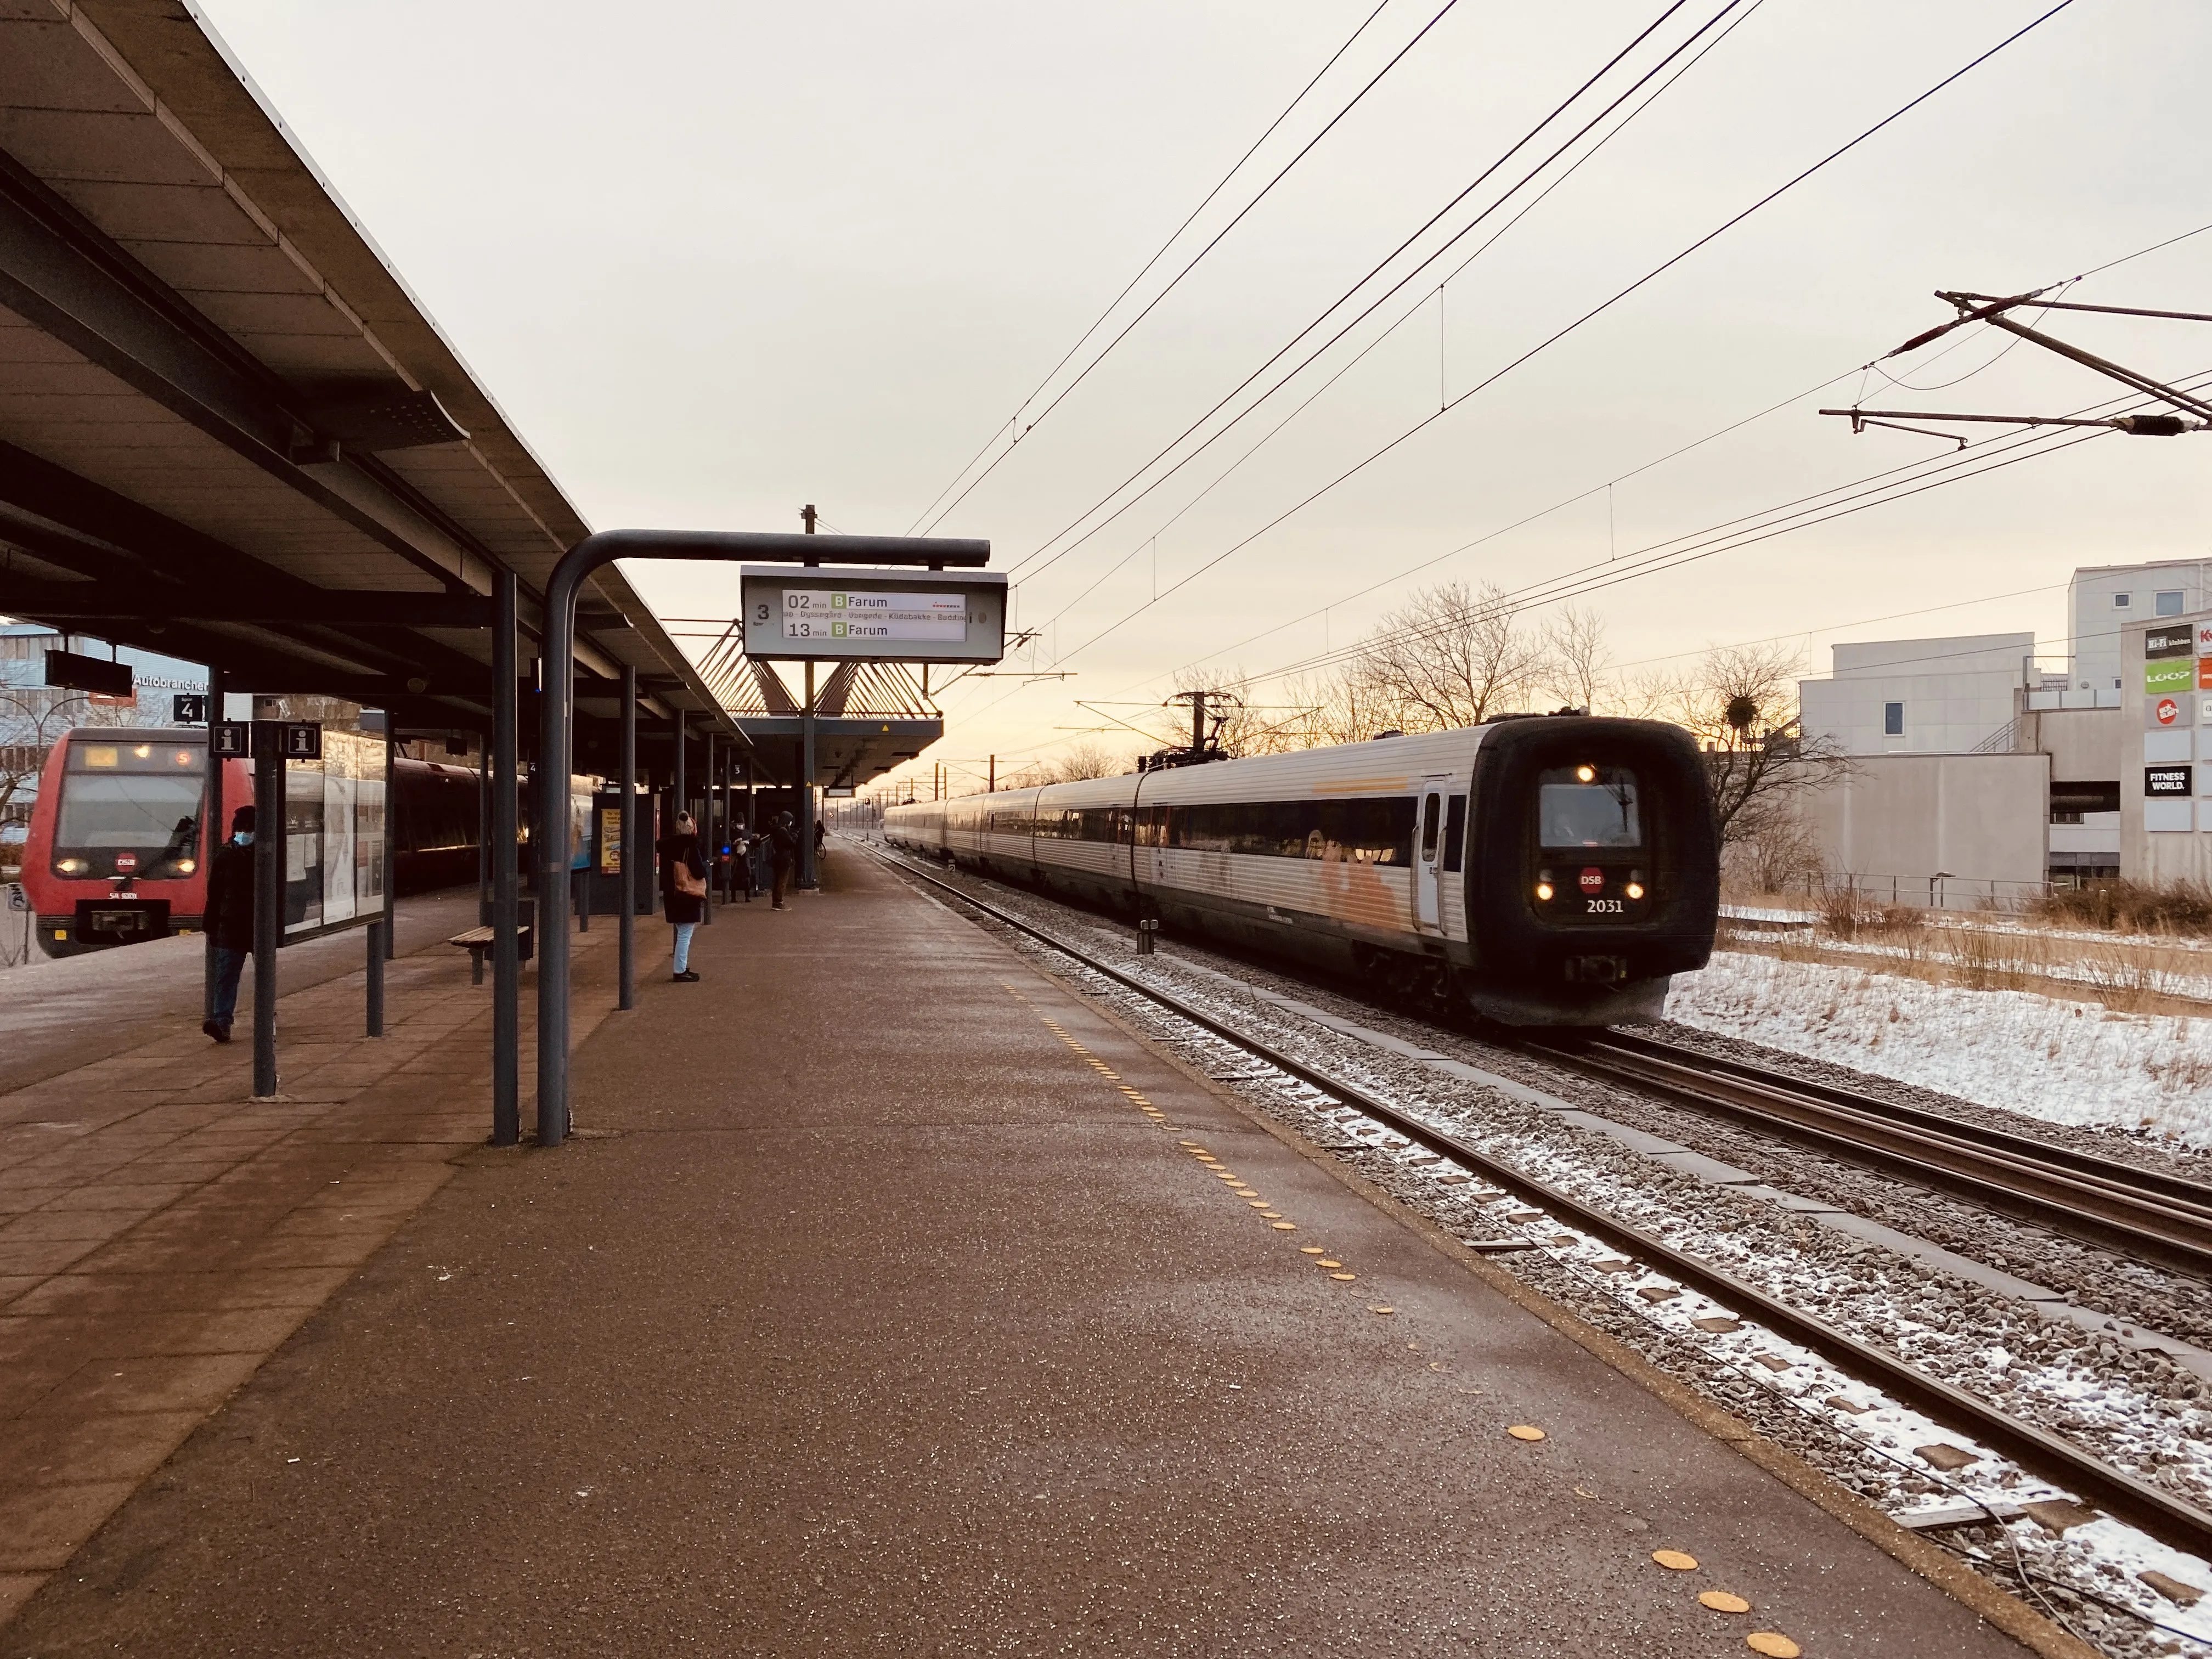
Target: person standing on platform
682 889
229 919
783 854
820 838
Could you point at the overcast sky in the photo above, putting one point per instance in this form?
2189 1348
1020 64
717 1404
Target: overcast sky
717 260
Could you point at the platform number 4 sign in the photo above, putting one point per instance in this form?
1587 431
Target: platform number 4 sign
188 709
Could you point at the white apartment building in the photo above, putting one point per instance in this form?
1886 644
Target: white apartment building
2059 745
2103 599
1939 696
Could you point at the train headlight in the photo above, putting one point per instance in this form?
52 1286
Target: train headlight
144 751
1634 890
1544 886
1586 775
69 866
185 867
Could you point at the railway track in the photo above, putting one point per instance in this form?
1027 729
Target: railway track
2170 1518
2145 1213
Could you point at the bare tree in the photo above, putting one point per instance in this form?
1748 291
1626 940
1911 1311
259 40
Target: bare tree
31 718
1740 702
1578 667
1086 758
1451 656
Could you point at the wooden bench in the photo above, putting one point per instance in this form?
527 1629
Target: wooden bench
477 941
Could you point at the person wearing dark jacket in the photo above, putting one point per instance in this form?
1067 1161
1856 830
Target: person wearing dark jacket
682 860
229 919
783 854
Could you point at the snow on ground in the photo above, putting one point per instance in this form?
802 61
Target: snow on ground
2066 1062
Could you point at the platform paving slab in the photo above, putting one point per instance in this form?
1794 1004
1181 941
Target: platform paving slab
896 1300
161 1234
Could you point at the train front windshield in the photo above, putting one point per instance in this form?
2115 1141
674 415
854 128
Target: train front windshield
130 809
1587 806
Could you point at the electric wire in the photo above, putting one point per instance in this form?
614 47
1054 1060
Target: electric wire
1350 294
1061 395
1159 254
1871 490
1361 355
1587 316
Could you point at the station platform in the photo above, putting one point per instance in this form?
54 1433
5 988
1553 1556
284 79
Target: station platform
892 1299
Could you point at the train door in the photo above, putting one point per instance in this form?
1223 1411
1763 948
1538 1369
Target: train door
1428 857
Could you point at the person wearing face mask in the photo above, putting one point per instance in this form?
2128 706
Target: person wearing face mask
229 921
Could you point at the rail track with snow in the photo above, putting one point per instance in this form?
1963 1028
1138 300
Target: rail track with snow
2145 1213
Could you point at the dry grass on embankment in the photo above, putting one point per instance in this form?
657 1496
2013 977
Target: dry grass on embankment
2156 968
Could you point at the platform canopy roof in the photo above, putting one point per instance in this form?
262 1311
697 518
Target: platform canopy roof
227 431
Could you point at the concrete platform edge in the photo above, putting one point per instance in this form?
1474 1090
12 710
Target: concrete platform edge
1991 1602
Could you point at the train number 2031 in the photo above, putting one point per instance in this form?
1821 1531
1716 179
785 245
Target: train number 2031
1602 906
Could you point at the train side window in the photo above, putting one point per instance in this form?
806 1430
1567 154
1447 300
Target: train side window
1456 834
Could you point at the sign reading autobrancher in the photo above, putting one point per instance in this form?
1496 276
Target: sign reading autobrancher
886 615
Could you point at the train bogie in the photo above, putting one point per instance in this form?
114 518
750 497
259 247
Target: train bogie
1544 871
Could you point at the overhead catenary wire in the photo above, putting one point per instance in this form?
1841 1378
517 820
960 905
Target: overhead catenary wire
1351 292
1451 553
1819 508
1384 336
1329 656
1587 317
1214 241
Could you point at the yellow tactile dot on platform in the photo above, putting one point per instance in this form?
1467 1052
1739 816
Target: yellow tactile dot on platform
1285 1226
1773 1643
1381 1308
1253 1203
1329 1264
1344 1278
1525 1431
1675 1560
1721 1601
1312 1250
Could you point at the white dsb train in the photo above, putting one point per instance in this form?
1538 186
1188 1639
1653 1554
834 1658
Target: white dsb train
1551 870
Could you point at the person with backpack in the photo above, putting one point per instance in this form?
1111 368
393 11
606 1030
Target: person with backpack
682 890
783 854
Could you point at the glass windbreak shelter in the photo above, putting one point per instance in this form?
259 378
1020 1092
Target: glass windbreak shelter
334 830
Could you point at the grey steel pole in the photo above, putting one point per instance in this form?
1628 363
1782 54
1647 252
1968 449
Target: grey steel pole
707 831
625 872
268 897
484 831
806 784
390 833
555 731
681 805
376 976
218 832
507 955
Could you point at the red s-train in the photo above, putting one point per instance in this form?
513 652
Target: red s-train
118 849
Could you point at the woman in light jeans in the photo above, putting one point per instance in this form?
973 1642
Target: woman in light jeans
682 864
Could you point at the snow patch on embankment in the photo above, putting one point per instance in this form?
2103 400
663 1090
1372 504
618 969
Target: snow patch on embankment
2063 1061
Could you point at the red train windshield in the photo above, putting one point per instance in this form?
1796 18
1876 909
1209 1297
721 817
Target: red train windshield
130 808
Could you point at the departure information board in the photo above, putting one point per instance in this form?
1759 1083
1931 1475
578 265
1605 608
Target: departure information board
813 613
880 615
